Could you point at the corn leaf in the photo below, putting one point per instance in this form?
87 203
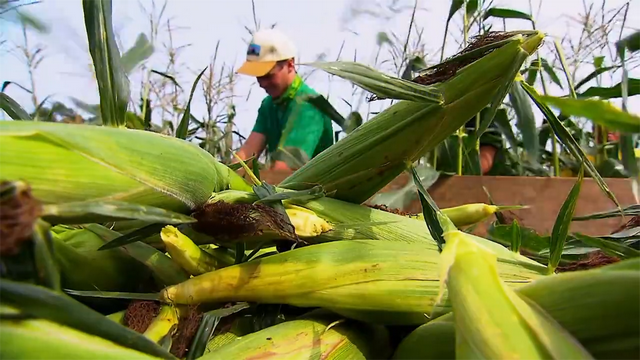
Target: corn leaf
593 75
629 159
207 326
568 141
516 237
613 91
565 68
322 104
600 112
113 84
382 85
133 236
181 132
84 212
472 6
630 42
526 122
430 211
12 108
139 52
401 198
502 13
46 304
563 222
552 74
611 248
630 210
453 9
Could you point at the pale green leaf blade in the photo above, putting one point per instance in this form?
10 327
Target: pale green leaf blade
503 13
113 84
601 112
568 141
181 132
551 72
139 52
382 85
12 108
613 92
526 122
563 222
610 247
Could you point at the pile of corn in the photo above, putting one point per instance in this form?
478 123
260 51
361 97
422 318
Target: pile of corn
213 269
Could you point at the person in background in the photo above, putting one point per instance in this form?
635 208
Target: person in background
490 143
285 119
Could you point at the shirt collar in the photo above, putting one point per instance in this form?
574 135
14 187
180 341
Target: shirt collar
291 91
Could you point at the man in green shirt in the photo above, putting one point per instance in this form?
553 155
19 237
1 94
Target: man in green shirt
285 121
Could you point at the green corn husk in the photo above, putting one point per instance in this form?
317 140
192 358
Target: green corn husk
491 320
599 307
400 280
380 149
44 339
83 267
316 335
68 162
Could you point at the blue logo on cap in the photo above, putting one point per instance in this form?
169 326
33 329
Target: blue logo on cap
254 49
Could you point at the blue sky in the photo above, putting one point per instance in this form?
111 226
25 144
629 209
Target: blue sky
315 26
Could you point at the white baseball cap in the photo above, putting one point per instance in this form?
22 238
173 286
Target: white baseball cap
267 47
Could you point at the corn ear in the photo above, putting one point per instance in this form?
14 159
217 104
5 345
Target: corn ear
70 162
183 251
164 324
401 278
83 267
323 336
44 339
306 223
118 316
491 320
358 166
356 222
469 214
575 300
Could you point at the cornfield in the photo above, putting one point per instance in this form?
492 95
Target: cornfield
119 242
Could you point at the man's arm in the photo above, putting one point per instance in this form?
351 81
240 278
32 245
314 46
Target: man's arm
487 155
254 146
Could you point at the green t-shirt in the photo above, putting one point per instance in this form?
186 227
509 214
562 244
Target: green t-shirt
291 121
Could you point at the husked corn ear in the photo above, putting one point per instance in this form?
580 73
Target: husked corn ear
70 162
397 277
358 166
165 323
117 316
469 214
183 251
44 339
492 320
306 222
310 337
609 294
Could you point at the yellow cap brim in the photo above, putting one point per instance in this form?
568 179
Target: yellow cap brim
256 68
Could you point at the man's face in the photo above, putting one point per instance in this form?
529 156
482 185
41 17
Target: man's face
276 82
